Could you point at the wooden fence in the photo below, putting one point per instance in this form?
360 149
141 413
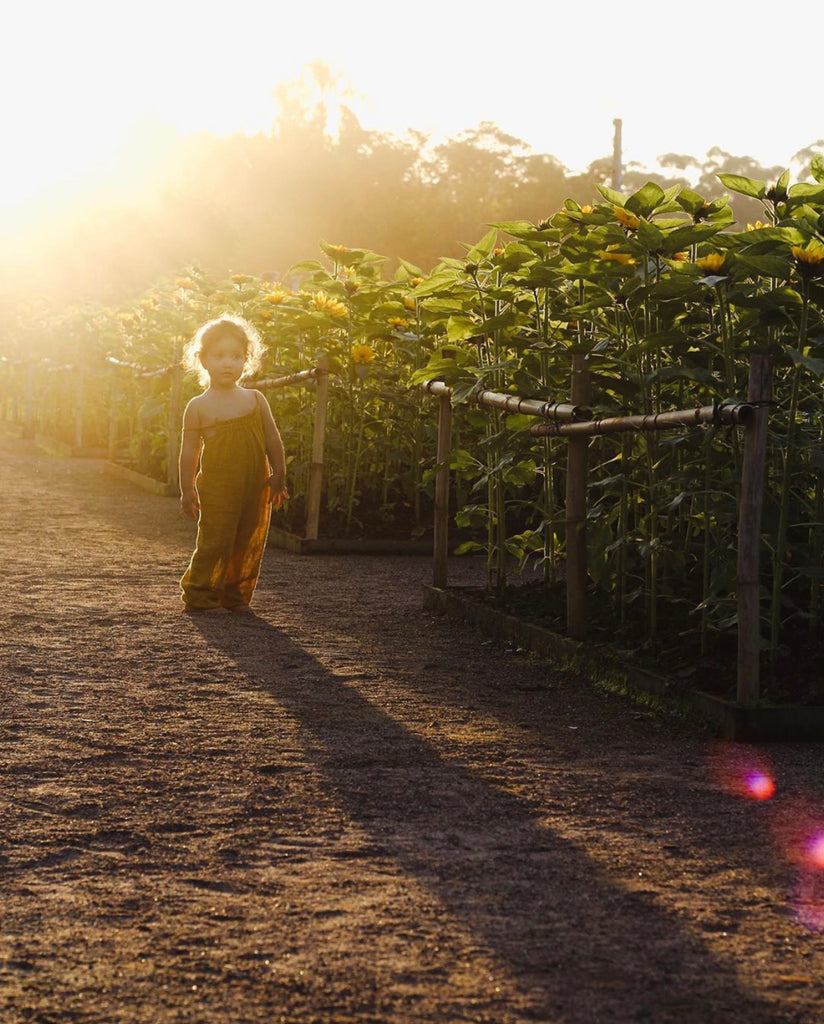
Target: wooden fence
574 421
25 392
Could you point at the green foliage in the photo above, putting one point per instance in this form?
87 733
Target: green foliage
664 295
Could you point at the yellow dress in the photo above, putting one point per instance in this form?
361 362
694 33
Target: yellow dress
234 514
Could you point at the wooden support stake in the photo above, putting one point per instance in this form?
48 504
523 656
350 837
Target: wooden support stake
440 548
576 508
318 438
28 408
114 401
749 533
175 416
78 405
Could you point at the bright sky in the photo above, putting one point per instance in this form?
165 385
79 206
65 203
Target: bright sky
78 78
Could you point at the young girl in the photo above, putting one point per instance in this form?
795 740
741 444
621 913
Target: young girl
242 468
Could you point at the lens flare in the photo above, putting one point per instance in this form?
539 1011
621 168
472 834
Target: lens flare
814 849
760 786
742 771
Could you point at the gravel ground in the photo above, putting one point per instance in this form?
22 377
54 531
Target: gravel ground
342 809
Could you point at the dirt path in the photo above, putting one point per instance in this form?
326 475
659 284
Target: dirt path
342 810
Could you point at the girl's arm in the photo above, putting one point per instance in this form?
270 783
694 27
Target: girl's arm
189 451
274 452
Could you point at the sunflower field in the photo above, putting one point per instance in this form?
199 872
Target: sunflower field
661 292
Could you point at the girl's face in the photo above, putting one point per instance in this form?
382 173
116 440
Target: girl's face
224 361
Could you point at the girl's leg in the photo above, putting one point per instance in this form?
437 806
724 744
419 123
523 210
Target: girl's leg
243 568
203 581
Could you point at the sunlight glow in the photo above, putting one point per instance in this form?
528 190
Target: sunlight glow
555 77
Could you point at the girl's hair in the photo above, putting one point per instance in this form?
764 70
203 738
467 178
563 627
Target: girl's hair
226 326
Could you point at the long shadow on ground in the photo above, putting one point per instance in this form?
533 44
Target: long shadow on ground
581 946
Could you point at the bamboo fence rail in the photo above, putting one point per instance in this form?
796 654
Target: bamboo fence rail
573 420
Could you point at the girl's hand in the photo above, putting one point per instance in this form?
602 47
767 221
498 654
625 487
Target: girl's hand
278 493
189 505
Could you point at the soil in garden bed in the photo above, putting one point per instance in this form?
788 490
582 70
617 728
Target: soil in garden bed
796 676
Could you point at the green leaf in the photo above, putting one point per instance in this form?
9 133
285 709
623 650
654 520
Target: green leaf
817 167
805 192
744 186
646 199
519 421
689 201
792 236
681 238
815 366
438 282
469 546
410 268
347 257
649 236
767 266
483 249
460 328
520 228
305 267
539 276
497 323
611 196
521 474
779 298
462 391
695 373
676 287
445 305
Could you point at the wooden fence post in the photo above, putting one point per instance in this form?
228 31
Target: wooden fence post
576 508
749 532
28 407
78 405
440 547
114 399
318 438
175 415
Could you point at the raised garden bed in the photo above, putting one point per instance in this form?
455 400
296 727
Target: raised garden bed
602 663
148 483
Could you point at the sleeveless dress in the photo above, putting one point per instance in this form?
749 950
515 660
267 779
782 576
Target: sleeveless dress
234 514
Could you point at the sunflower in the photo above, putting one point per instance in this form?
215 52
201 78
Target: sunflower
712 262
811 257
625 218
616 257
326 304
362 354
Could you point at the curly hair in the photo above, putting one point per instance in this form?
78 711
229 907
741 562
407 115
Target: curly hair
226 326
